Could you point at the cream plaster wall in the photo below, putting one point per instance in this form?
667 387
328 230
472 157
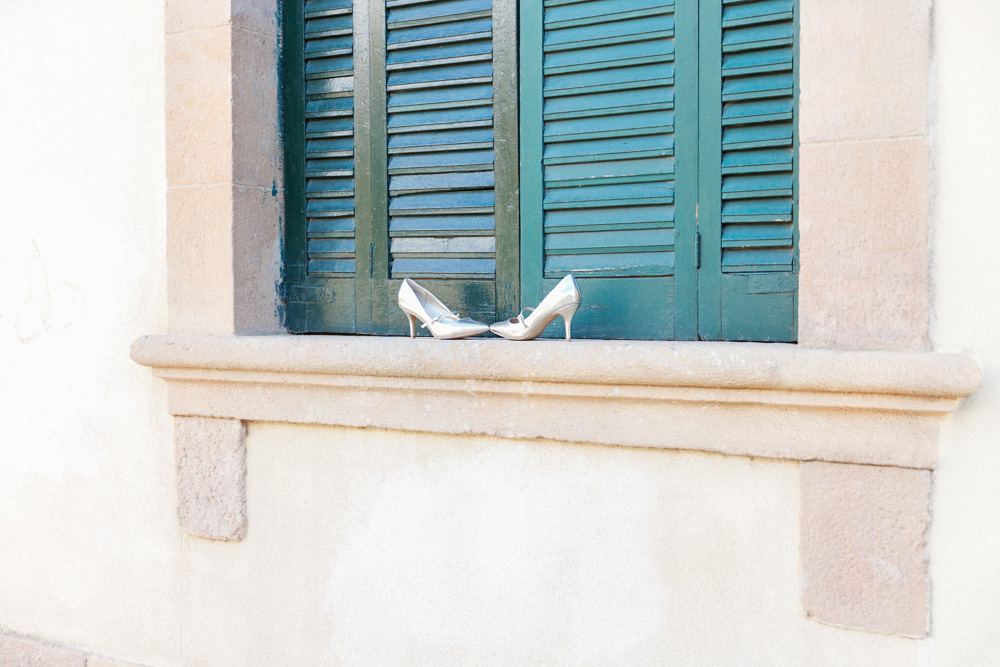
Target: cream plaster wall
89 549
965 533
370 547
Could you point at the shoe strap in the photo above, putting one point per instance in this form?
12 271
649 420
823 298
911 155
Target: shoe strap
520 316
439 318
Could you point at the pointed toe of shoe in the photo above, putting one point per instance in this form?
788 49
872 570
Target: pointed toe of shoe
479 329
463 328
505 329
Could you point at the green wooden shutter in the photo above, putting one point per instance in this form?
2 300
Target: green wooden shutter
451 225
609 171
435 164
748 282
658 165
647 126
320 257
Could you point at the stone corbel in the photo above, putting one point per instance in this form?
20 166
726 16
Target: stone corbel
211 477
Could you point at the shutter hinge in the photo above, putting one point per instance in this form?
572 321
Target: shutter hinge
371 260
697 250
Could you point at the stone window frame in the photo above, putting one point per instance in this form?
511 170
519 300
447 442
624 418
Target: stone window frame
861 372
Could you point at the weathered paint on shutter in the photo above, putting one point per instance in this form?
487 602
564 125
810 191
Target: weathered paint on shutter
748 287
329 132
429 188
601 111
440 123
448 227
319 135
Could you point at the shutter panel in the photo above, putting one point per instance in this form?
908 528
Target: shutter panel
602 124
756 246
319 111
442 153
429 189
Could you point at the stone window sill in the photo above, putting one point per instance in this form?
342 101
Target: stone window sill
750 399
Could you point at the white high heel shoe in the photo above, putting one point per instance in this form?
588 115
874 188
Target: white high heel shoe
443 323
562 302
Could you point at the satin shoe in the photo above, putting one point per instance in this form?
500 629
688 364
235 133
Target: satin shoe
562 302
443 323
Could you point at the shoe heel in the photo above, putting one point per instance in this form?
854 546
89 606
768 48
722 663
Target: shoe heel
413 331
567 314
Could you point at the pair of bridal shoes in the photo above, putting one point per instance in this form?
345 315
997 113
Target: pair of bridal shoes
446 324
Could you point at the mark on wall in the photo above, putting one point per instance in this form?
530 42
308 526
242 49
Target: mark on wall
51 306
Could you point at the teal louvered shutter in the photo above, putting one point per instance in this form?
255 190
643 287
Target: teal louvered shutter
429 189
658 165
748 282
658 162
320 253
451 155
609 169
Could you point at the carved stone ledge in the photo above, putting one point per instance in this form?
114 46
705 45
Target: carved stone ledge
773 401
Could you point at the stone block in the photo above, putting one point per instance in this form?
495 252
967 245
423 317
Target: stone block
863 71
255 129
256 259
863 221
200 259
18 651
257 15
199 132
863 536
95 660
211 477
184 15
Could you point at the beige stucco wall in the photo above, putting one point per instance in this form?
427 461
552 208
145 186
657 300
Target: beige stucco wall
89 550
965 535
373 547
376 547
